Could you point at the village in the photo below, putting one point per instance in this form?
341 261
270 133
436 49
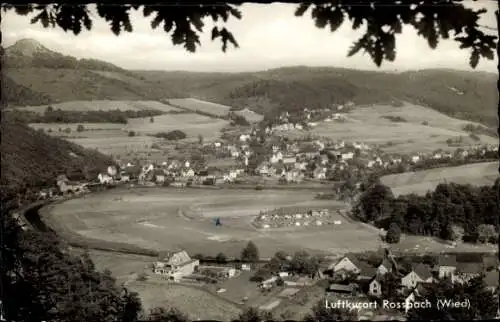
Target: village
356 278
256 156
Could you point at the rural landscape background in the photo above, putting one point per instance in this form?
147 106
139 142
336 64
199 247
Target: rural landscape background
410 164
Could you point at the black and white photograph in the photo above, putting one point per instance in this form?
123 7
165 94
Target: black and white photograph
246 161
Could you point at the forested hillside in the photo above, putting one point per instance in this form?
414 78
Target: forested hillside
31 158
467 95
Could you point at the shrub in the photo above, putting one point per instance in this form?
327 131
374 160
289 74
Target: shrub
172 135
80 128
49 130
393 234
393 118
425 123
259 187
142 277
131 133
67 130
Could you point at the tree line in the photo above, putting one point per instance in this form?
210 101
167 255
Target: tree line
52 115
452 211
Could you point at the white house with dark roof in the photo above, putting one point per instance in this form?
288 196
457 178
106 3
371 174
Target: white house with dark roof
446 266
175 265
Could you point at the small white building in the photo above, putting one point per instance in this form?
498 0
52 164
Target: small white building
104 178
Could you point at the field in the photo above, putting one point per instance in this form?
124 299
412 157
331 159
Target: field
111 138
196 302
203 106
368 124
250 116
105 105
150 218
420 182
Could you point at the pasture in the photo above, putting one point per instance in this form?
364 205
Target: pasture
104 105
192 124
423 129
110 138
420 182
194 104
164 218
198 303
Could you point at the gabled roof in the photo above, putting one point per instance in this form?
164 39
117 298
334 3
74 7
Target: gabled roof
447 260
365 268
386 263
423 271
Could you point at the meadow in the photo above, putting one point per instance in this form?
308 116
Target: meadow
104 105
421 129
163 218
203 106
110 138
196 302
419 182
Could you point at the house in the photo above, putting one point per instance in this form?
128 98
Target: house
424 272
104 178
124 177
289 159
384 267
410 280
294 175
244 137
188 173
346 264
246 267
217 144
347 156
466 271
263 169
375 287
415 158
175 265
300 165
319 173
235 153
276 157
446 266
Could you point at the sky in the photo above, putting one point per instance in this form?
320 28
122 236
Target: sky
269 36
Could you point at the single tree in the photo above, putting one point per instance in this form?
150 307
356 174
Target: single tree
221 258
393 234
151 119
200 139
250 253
80 128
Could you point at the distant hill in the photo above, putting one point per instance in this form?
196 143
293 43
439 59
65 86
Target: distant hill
32 158
466 95
44 75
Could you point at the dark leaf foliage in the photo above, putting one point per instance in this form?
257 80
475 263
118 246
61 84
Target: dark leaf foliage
432 19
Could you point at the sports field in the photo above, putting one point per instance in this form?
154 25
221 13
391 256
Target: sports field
419 182
165 218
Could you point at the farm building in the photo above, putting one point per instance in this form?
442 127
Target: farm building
175 265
